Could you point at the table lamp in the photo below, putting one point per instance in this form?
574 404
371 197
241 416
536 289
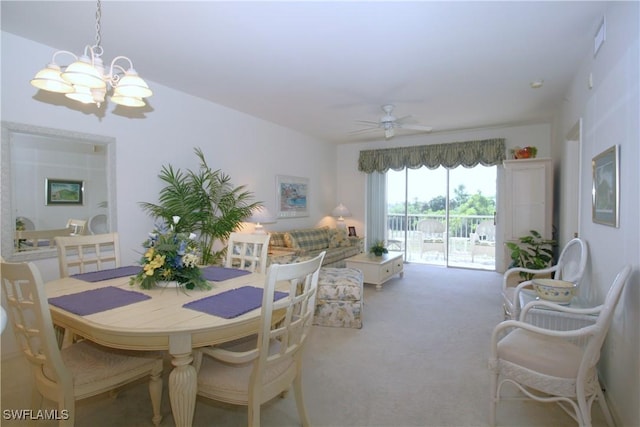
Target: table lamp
261 215
340 212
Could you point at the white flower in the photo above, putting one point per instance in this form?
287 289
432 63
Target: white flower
190 260
192 236
176 218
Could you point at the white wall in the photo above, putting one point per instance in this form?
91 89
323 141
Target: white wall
248 149
610 113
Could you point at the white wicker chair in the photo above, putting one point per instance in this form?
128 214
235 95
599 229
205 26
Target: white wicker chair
570 267
98 224
79 371
554 366
255 371
483 240
248 251
431 236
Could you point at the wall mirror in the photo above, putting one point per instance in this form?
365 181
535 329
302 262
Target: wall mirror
48 178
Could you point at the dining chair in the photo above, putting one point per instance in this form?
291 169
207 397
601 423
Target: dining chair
83 369
77 226
552 365
254 371
98 251
570 267
248 251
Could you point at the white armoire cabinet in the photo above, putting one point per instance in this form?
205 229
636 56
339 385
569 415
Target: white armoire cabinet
528 198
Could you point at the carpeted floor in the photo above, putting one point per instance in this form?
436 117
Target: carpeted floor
419 360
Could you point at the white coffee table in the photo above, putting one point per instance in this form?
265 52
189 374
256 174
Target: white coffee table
378 269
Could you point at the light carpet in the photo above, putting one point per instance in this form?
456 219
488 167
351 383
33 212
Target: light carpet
419 360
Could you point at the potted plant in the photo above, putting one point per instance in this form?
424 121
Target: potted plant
532 252
206 202
378 248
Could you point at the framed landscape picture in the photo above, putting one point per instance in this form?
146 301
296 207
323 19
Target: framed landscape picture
292 196
63 192
606 187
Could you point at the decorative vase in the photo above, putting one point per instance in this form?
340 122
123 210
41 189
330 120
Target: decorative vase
167 284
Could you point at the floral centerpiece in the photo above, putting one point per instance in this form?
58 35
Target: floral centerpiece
170 257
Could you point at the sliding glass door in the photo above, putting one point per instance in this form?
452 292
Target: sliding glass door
443 217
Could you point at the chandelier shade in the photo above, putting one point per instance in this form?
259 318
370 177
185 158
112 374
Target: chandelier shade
84 72
127 101
49 79
81 94
87 81
131 85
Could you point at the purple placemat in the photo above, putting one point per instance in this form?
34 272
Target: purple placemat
218 274
233 303
97 300
111 273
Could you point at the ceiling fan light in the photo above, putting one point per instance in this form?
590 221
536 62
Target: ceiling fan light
132 85
49 79
388 132
82 72
128 101
81 94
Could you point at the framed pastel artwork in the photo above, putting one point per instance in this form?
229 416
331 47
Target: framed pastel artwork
292 196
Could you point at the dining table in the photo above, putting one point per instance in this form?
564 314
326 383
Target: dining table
111 312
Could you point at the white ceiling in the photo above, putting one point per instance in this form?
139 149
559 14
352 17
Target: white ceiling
317 67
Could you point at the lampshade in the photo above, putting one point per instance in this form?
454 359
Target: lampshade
132 85
341 211
49 79
81 94
261 215
83 73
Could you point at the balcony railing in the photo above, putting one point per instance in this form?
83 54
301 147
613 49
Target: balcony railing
460 248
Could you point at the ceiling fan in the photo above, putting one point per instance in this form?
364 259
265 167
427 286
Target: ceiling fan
389 123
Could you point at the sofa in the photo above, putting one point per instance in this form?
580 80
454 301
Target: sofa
287 246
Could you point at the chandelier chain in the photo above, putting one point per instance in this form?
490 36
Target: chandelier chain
98 29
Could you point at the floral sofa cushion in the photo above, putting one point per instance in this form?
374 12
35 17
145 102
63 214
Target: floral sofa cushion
339 302
339 238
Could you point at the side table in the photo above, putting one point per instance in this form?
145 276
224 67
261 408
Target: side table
547 318
377 269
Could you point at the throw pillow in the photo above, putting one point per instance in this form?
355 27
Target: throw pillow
339 238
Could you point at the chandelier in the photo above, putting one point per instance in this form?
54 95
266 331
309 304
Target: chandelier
86 80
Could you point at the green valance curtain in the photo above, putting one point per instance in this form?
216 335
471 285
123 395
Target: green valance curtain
487 152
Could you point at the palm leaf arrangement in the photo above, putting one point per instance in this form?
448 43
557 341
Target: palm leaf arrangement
207 203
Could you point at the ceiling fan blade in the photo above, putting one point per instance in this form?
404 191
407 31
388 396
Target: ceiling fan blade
416 127
368 122
401 119
359 131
